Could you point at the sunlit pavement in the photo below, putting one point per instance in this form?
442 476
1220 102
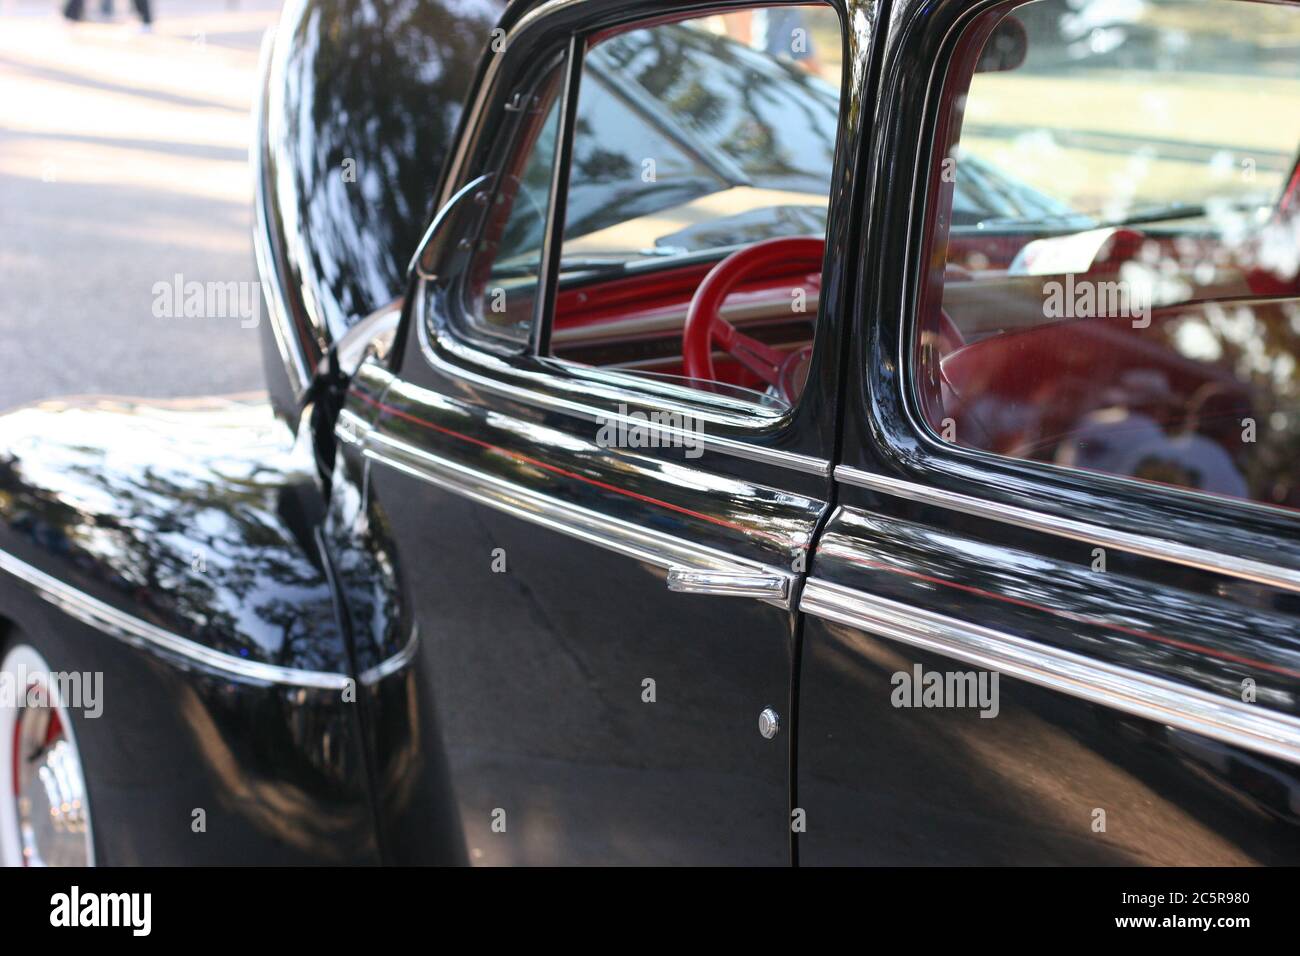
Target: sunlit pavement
123 163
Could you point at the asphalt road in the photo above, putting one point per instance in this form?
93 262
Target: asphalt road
123 163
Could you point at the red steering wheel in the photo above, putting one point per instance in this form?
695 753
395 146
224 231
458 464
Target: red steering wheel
705 324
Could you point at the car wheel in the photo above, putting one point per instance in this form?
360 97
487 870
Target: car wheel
44 807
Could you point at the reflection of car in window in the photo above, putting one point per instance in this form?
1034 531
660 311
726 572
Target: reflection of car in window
718 119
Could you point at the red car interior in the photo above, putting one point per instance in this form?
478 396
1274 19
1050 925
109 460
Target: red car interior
1141 395
640 321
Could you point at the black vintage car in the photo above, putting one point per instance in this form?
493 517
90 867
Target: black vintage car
703 432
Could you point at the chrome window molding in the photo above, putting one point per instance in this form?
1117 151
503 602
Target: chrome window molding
1148 547
268 271
141 633
1227 719
616 387
651 547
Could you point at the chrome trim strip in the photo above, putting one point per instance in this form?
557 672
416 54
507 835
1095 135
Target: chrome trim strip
373 335
623 537
137 632
1222 718
1249 570
391 665
268 272
715 443
351 428
729 583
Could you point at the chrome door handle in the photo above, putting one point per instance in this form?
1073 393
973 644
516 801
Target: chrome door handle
767 585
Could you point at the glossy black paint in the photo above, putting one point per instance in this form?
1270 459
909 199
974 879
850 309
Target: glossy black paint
944 786
1048 761
198 517
361 109
530 676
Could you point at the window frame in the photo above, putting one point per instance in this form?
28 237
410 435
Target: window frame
533 375
503 150
905 159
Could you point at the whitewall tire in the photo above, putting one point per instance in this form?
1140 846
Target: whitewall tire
44 807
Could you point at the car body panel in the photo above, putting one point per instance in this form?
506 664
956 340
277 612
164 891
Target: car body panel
170 548
543 610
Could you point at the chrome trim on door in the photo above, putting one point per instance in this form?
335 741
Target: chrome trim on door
1162 549
623 537
137 632
350 428
714 443
1250 726
754 584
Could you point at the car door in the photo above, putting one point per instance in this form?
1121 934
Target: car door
593 559
1054 616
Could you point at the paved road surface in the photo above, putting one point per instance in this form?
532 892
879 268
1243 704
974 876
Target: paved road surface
123 162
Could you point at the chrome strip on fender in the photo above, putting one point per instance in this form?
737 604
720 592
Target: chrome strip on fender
1148 547
642 544
391 665
138 632
1188 708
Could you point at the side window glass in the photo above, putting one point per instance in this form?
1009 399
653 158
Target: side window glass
500 292
698 141
1114 268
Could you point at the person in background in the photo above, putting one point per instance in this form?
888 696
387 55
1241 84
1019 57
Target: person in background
74 10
